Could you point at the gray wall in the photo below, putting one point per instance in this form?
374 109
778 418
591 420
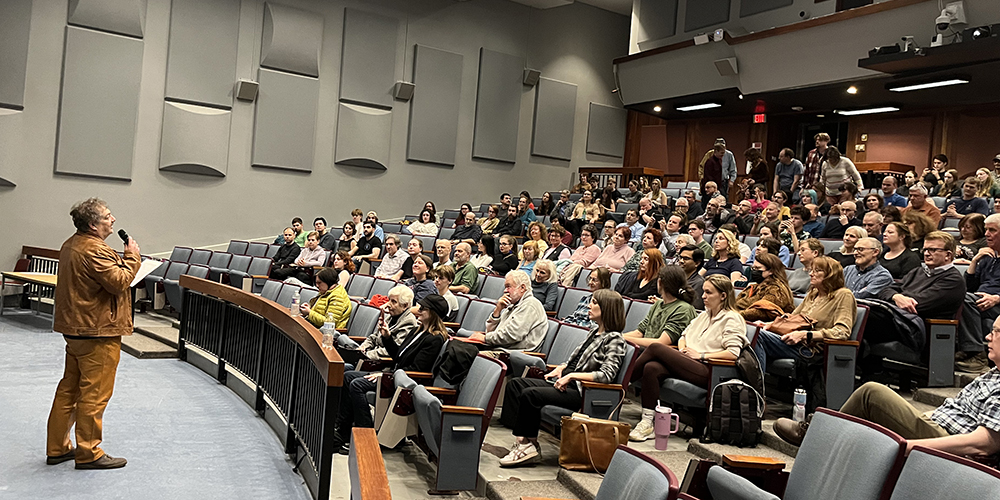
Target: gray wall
160 208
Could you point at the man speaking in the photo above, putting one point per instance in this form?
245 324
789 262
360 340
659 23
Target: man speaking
92 311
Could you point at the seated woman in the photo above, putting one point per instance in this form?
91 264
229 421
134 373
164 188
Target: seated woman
402 322
505 259
725 260
489 223
543 284
845 256
529 253
768 295
767 244
919 225
809 250
420 283
417 352
443 277
426 224
344 266
973 230
597 359
582 257
874 203
670 314
833 308
770 231
600 279
586 212
651 238
485 250
641 284
347 238
332 303
717 333
617 253
898 258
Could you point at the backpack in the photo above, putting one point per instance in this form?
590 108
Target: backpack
454 364
737 406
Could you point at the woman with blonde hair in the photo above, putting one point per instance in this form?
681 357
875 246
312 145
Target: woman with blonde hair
544 286
657 196
725 257
987 188
529 252
845 255
641 284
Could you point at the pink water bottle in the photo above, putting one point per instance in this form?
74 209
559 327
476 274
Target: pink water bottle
665 423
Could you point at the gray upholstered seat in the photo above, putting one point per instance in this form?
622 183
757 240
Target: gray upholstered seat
199 256
271 289
381 286
239 263
218 264
175 292
364 320
932 474
287 293
259 266
446 233
173 273
360 285
307 293
180 254
565 338
492 288
570 300
475 317
257 249
633 475
237 247
636 313
598 402
841 457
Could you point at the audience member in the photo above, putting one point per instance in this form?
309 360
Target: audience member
919 226
719 166
919 203
469 232
952 185
401 323
504 203
505 260
809 251
932 176
442 250
529 256
463 212
392 261
641 284
813 226
769 245
889 193
715 215
718 333
584 184
546 206
770 215
670 313
584 256
970 202
835 228
281 263
489 223
633 224
326 240
414 248
600 279
524 213
357 218
310 256
982 302
872 222
608 233
725 260
691 258
466 275
744 217
988 187
426 225
346 241
781 198
793 229
343 265
767 296
543 284
633 195
332 301
443 277
420 283
651 238
430 206
538 234
608 198
898 258
300 232
787 172
656 195
585 212
890 214
759 201
671 230
557 250
510 224
744 250
874 202
373 218
694 207
518 321
564 207
812 169
845 255
756 171
597 359
866 278
973 231
615 255
485 251
837 170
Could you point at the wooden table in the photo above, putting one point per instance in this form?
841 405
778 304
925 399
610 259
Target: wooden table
38 279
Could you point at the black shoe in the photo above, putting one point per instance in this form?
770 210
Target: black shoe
61 458
105 462
344 449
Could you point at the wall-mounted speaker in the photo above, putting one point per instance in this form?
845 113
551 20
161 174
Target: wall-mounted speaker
727 66
531 76
246 90
403 91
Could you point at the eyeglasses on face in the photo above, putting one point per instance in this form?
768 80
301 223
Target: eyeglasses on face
932 250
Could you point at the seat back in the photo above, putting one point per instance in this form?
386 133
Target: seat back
197 271
360 285
860 320
930 473
307 293
633 475
364 318
463 305
830 246
550 336
237 247
446 233
568 339
392 227
257 249
623 208
570 300
287 292
200 256
481 387
581 279
475 317
381 286
259 266
492 288
180 254
428 242
636 313
272 250
751 241
840 442
220 260
175 270
271 290
240 263
615 278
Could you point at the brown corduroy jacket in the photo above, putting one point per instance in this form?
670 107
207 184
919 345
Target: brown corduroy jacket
92 294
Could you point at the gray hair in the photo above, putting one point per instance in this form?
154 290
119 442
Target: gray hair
687 239
549 266
520 278
992 219
403 294
876 244
87 213
918 188
392 237
875 215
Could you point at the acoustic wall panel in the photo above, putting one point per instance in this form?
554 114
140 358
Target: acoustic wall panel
125 17
658 19
201 61
363 136
291 40
368 66
15 22
285 123
751 7
498 106
99 105
555 111
705 13
606 130
195 139
433 133
10 128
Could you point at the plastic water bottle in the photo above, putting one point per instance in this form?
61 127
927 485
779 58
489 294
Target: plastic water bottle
799 411
294 308
329 331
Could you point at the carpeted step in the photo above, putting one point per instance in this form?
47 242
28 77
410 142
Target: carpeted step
167 335
715 451
935 396
584 485
143 347
514 490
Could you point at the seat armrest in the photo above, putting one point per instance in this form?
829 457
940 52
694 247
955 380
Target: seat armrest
463 410
373 260
354 338
541 355
451 324
440 391
941 322
721 362
850 343
551 367
751 462
596 385
551 314
260 277
341 330
421 375
541 498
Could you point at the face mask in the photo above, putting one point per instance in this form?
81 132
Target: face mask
756 275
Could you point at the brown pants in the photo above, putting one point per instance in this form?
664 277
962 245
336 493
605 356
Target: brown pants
83 393
660 361
877 403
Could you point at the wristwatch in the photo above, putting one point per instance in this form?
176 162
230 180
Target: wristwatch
703 356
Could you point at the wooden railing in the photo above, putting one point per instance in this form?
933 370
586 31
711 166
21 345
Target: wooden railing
282 355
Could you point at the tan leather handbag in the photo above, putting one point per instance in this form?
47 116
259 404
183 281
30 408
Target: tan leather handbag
587 444
788 323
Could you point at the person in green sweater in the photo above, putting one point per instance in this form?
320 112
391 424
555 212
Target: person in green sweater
300 233
670 314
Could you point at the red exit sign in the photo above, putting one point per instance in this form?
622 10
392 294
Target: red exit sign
760 118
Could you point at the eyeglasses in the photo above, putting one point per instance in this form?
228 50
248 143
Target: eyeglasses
932 250
859 249
816 272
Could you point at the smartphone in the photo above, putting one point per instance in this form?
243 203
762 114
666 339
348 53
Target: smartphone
784 217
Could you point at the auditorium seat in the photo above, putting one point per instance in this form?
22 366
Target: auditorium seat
364 319
625 207
446 233
475 318
932 474
571 298
360 285
257 249
560 341
237 247
154 284
463 305
934 365
175 292
218 264
615 278
636 313
180 254
676 185
381 286
830 246
633 475
239 263
272 250
199 256
287 293
271 290
618 217
392 227
492 289
260 268
581 279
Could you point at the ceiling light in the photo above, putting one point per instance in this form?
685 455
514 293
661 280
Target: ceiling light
885 109
657 109
929 85
820 116
741 96
852 90
797 108
696 107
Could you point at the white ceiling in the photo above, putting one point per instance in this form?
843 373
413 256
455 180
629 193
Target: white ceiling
623 7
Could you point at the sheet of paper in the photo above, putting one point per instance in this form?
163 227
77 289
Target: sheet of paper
147 266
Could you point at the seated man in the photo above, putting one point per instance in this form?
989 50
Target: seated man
466 274
813 226
300 233
918 202
281 263
633 224
690 258
469 232
770 215
509 224
715 215
934 290
969 202
889 193
873 223
982 303
671 230
369 246
968 424
326 240
414 248
694 207
712 192
744 217
866 278
647 215
793 229
518 321
835 227
442 250
392 261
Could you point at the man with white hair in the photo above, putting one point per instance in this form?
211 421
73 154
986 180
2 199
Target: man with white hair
835 228
982 302
918 202
518 321
872 222
866 278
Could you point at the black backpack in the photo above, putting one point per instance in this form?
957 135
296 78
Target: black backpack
737 406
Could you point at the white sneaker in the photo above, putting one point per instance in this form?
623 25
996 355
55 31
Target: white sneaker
643 431
521 454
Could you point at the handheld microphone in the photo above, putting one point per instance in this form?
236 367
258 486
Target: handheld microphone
123 235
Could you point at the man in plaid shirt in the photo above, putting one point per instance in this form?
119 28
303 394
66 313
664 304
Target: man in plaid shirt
811 174
968 424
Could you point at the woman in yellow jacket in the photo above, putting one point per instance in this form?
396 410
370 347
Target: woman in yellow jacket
332 298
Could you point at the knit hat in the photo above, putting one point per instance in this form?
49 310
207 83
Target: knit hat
437 304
